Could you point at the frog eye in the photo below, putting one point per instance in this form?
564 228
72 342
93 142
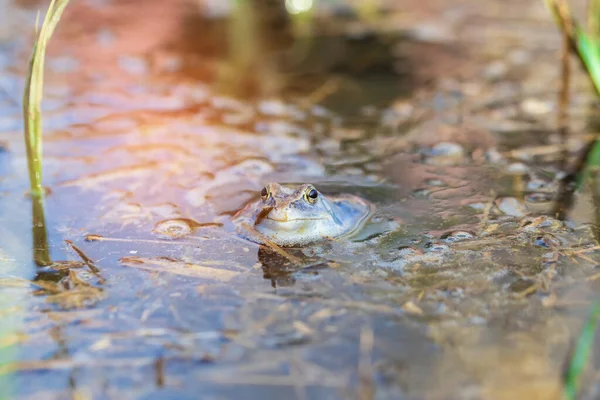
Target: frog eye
311 195
264 193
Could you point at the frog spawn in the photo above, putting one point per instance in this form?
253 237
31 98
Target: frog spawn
177 228
542 232
173 228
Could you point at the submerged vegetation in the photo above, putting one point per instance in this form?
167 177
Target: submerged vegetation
32 118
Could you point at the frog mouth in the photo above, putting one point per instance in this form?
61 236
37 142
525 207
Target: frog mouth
264 215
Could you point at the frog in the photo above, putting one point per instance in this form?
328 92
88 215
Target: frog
296 215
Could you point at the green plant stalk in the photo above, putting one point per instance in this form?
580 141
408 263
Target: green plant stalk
32 118
581 353
593 18
32 97
592 160
587 49
41 250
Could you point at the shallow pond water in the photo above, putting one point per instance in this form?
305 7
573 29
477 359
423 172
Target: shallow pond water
461 285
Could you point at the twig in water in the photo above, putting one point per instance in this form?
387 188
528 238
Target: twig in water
87 261
271 245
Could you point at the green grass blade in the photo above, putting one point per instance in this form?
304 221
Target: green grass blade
32 97
592 160
581 353
32 118
589 50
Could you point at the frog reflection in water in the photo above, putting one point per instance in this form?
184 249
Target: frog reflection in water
293 216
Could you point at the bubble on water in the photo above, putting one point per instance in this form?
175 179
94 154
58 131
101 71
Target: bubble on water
421 193
409 251
537 184
173 228
478 206
539 197
446 149
542 222
511 206
436 247
547 241
493 156
446 153
517 168
435 182
457 236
